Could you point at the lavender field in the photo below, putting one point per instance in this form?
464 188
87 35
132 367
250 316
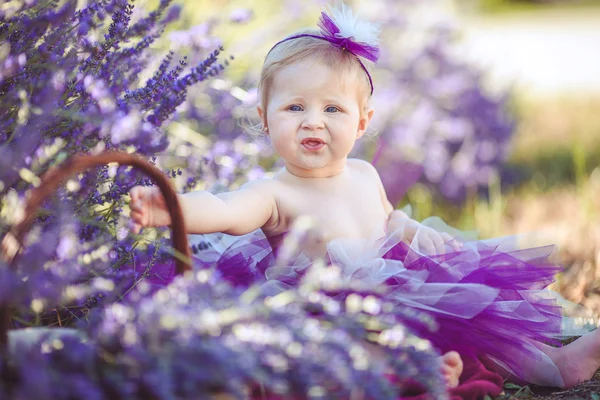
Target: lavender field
458 133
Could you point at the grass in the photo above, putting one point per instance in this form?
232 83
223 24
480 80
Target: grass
555 162
586 391
559 140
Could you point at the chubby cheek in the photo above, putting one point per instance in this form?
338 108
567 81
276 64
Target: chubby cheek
344 151
282 144
282 134
344 143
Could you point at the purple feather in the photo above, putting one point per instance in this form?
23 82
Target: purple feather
331 33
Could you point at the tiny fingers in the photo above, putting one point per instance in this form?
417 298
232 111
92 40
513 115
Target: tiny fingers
452 242
431 241
438 242
457 245
427 245
136 193
446 237
138 218
135 205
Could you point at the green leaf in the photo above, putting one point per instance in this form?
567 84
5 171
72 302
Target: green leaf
512 386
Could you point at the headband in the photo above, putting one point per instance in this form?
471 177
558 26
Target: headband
344 31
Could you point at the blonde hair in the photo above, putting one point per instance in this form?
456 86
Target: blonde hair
342 62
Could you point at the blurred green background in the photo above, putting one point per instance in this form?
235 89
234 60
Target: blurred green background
511 6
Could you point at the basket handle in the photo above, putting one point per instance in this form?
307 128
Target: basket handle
79 163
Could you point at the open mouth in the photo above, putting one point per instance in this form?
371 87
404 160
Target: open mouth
312 143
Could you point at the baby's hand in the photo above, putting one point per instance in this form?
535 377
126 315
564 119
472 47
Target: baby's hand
430 241
148 208
426 239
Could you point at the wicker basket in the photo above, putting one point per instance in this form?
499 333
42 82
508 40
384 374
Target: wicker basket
49 182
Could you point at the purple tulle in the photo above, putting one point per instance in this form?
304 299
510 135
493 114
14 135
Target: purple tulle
501 326
487 298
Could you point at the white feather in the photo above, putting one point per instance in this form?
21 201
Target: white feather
351 26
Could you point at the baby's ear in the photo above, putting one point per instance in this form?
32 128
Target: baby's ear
261 115
364 122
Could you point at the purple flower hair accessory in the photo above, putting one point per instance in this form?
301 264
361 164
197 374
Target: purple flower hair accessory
342 29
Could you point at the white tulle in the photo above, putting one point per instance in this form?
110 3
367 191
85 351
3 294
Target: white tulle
351 26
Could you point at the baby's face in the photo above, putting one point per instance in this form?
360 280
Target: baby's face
313 118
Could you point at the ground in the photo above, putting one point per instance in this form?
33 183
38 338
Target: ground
585 391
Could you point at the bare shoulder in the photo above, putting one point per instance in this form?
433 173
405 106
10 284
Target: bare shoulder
364 167
361 164
371 174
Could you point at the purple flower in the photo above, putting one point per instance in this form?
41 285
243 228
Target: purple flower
63 92
436 110
241 15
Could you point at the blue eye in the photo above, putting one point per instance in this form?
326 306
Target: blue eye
295 108
332 109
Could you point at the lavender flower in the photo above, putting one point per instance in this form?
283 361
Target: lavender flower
241 15
198 337
65 91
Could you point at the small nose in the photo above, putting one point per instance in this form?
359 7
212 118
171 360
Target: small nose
312 120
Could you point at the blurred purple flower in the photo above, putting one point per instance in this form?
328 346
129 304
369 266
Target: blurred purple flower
434 109
241 15
197 37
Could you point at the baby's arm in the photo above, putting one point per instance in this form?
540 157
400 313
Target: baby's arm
398 220
399 223
394 216
236 213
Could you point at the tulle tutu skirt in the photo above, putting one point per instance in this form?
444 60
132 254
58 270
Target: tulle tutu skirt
488 297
